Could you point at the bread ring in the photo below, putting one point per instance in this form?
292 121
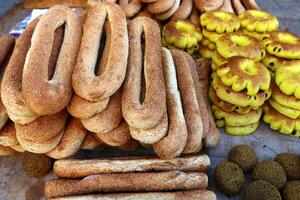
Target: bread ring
282 44
218 59
160 6
85 83
131 7
6 151
287 78
220 22
258 21
149 1
212 36
273 63
168 13
227 7
90 142
145 13
205 5
116 137
239 44
280 122
172 144
83 109
70 143
236 119
11 88
40 147
239 98
108 119
228 107
241 73
238 7
46 96
8 135
207 43
44 128
147 114
283 99
189 102
256 35
184 10
195 17
285 109
131 145
152 135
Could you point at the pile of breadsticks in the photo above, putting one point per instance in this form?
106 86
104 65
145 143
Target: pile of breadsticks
131 178
76 83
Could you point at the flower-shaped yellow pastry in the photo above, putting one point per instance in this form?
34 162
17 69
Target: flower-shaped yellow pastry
237 130
287 111
256 35
282 44
239 98
287 77
220 21
273 62
280 122
181 34
228 107
287 100
241 73
236 119
212 36
205 52
218 59
207 43
239 44
259 21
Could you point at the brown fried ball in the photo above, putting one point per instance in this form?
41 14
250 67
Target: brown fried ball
270 171
36 165
291 190
261 190
291 165
243 156
229 178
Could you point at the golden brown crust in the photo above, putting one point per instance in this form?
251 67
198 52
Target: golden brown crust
46 96
70 143
11 88
7 43
116 137
131 8
8 136
43 128
85 83
182 195
238 7
250 4
6 151
227 7
70 168
184 10
90 142
161 181
147 114
195 17
165 15
173 144
189 102
108 119
204 5
160 6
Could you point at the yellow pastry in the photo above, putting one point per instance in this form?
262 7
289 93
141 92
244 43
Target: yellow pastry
212 36
281 98
287 111
205 52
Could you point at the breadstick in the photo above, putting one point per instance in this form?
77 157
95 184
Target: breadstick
85 83
116 137
189 102
11 88
182 195
146 114
43 128
131 8
70 143
70 168
152 135
108 119
159 181
173 144
213 136
90 142
46 96
184 10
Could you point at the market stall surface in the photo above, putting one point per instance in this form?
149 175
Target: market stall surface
14 184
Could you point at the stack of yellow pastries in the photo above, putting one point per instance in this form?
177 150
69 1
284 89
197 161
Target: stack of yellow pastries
215 24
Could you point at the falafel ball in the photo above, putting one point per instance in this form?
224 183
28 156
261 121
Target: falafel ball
36 165
291 165
261 190
243 156
270 171
291 190
229 178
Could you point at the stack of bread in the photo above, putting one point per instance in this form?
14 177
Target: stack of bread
282 111
214 25
131 178
240 84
